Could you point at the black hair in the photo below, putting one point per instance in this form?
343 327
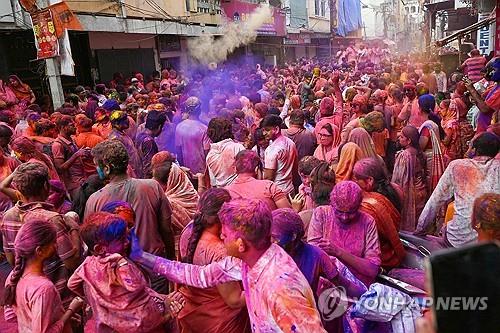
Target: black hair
90 186
155 119
209 204
219 129
486 144
271 121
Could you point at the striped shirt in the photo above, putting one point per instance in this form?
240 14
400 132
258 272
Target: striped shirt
54 268
473 68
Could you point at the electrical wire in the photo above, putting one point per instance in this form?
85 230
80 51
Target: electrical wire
140 10
154 5
151 37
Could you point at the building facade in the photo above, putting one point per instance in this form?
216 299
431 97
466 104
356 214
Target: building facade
117 36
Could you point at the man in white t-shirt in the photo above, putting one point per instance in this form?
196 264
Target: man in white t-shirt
280 158
221 157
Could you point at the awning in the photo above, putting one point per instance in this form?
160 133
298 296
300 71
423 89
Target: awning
469 29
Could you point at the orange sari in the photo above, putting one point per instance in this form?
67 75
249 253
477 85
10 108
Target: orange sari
349 155
388 220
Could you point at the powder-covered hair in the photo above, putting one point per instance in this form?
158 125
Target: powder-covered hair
161 164
209 204
112 153
27 148
322 182
31 235
250 219
486 212
219 129
122 209
31 178
288 222
102 228
346 194
373 122
246 161
307 164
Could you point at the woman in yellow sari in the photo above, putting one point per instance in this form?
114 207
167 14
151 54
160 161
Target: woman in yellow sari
350 153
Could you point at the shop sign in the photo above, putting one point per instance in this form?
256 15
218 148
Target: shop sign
297 39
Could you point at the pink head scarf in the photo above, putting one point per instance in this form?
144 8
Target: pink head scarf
326 106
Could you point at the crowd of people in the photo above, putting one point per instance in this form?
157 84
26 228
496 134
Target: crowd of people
228 199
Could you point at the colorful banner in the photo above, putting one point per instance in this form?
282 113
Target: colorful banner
47 45
64 18
239 11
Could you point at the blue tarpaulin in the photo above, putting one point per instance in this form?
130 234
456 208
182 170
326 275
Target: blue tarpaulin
349 16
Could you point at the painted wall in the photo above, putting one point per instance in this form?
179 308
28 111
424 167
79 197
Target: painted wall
372 19
321 22
110 40
132 8
144 9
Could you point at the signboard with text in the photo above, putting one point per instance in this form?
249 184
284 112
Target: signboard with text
485 36
47 45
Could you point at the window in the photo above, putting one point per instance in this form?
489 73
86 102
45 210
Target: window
413 9
320 7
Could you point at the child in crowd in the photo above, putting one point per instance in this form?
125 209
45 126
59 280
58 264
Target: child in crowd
34 298
120 298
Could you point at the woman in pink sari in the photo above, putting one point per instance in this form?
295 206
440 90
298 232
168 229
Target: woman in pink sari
409 173
327 150
216 309
430 143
